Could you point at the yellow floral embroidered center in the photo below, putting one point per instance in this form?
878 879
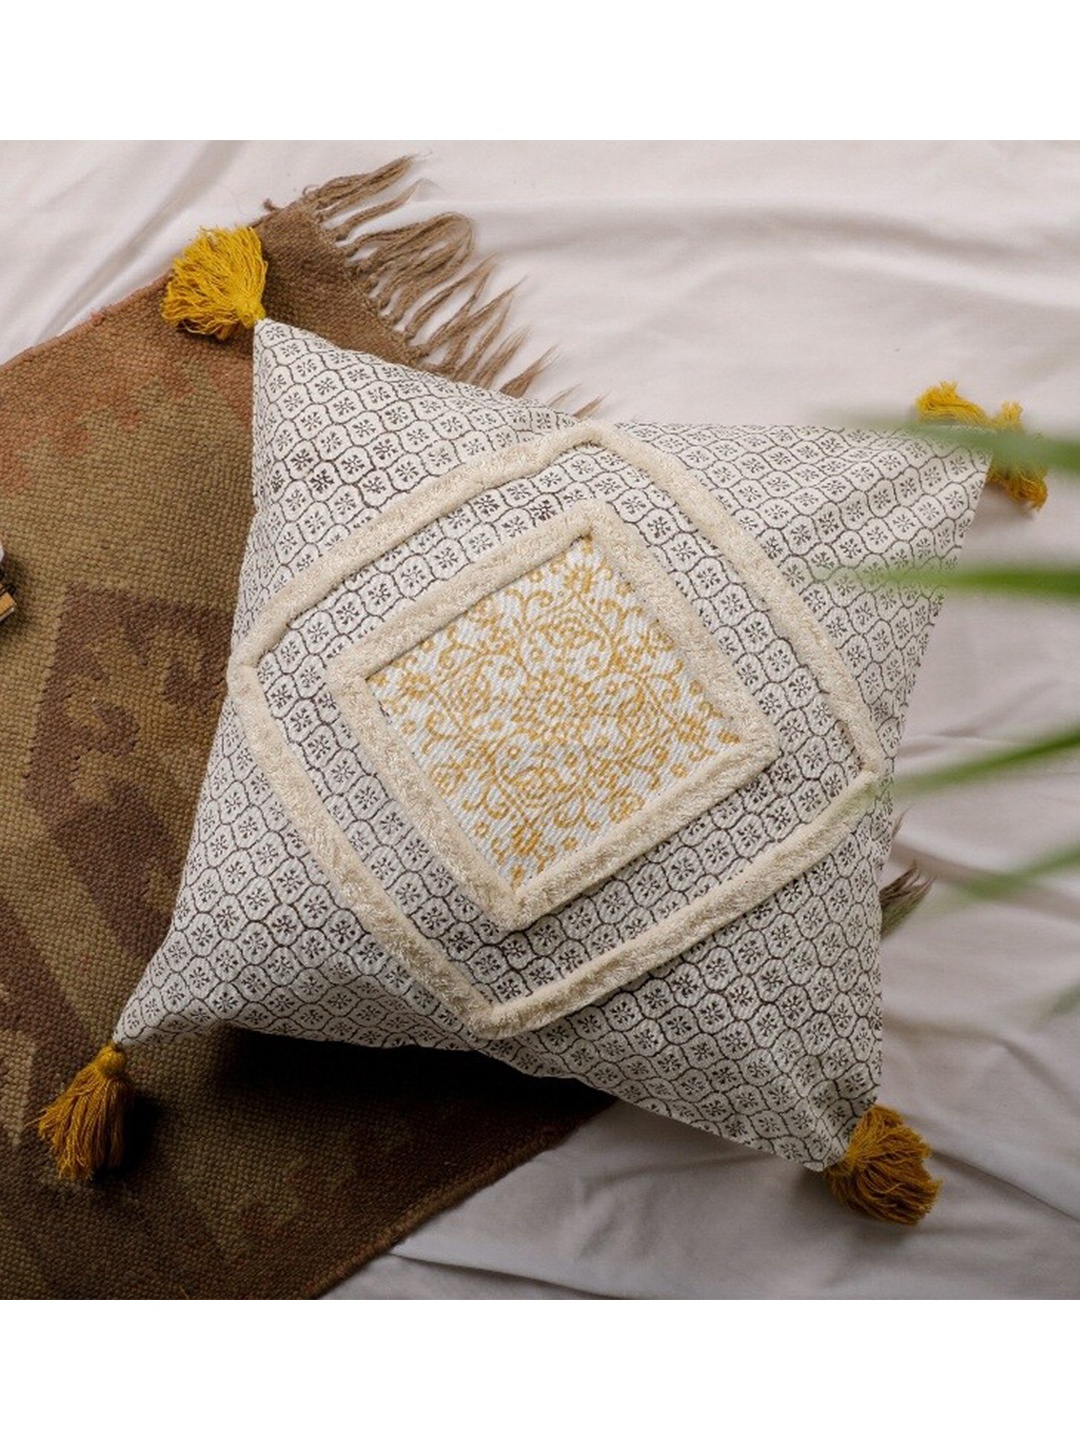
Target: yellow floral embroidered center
549 711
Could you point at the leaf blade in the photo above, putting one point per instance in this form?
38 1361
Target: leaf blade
1058 742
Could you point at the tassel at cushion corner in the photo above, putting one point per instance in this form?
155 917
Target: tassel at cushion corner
216 285
883 1175
1024 483
943 405
85 1125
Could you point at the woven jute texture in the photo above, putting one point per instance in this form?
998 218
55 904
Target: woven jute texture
258 1167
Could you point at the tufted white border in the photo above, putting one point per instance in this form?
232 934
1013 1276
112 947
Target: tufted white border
355 883
708 784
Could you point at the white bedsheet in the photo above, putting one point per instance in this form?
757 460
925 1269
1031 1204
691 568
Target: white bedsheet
749 282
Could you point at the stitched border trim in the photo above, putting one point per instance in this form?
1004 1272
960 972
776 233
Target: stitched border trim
355 883
709 782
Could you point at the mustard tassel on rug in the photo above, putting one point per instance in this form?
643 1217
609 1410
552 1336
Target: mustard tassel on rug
943 405
217 283
85 1125
882 1175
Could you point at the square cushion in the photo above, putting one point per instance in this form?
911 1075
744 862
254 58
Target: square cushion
562 741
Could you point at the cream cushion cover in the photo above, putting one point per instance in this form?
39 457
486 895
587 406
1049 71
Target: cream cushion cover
562 741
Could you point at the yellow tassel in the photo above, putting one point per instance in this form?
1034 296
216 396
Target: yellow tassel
85 1125
943 405
882 1175
1025 483
217 283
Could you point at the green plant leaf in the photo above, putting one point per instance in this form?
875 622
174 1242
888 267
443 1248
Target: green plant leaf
1001 885
1007 447
1037 582
1059 742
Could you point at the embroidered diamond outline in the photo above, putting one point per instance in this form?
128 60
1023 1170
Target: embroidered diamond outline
353 678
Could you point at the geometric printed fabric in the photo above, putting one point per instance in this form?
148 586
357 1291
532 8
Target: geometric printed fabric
640 847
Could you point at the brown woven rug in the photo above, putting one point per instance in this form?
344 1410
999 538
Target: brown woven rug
258 1166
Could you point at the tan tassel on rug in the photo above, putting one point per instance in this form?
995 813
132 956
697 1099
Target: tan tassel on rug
883 1175
943 405
217 284
85 1125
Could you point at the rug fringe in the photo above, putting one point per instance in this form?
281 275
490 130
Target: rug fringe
413 273
900 897
338 197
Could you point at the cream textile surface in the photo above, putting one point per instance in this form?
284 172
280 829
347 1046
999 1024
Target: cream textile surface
710 953
750 283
